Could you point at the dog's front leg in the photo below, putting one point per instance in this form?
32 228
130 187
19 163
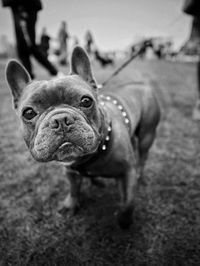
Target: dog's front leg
127 186
71 203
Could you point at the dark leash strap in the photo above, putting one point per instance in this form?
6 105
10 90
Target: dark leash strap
141 49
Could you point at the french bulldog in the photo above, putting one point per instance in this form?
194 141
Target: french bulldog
94 135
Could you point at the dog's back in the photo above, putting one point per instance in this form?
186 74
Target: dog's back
140 103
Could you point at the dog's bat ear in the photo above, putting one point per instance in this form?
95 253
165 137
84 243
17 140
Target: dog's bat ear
17 77
80 65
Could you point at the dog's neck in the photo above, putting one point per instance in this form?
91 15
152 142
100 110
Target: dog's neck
119 106
106 128
104 143
105 131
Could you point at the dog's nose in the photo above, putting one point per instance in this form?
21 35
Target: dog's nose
60 121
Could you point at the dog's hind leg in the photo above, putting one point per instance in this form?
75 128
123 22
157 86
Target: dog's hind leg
144 144
128 188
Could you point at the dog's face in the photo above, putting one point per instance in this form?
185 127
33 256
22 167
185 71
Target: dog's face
60 118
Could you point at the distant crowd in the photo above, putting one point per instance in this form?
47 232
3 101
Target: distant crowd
25 14
61 51
50 56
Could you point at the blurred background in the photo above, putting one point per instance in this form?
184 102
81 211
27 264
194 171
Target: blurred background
115 26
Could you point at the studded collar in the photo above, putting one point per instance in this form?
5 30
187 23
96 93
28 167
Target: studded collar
104 145
109 98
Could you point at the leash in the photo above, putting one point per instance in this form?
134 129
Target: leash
142 48
144 44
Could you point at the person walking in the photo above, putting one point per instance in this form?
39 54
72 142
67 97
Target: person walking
89 41
192 7
63 36
25 17
44 42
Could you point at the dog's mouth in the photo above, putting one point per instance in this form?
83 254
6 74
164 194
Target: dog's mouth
67 152
64 144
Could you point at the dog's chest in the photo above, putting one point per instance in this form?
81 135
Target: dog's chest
115 159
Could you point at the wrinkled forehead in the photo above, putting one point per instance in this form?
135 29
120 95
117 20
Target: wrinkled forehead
55 92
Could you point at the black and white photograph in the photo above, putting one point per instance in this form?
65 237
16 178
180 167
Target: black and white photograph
99 133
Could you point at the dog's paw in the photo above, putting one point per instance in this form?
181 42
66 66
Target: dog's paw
69 206
125 218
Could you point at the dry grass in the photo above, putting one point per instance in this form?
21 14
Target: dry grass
166 229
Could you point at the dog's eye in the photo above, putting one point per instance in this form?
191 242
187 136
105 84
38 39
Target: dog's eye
86 101
29 113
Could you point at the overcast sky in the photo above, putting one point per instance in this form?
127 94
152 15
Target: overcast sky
114 23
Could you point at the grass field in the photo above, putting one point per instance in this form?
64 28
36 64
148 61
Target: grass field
166 228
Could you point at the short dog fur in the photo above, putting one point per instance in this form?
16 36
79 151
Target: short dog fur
94 135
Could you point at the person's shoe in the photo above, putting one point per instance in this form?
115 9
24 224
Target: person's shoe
196 111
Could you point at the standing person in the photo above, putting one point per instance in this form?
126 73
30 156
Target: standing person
44 42
25 17
192 7
63 37
89 41
76 41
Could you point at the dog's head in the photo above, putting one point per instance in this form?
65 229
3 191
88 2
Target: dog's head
60 118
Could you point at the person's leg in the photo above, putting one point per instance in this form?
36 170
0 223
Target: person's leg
195 35
63 53
198 78
196 110
21 44
35 50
